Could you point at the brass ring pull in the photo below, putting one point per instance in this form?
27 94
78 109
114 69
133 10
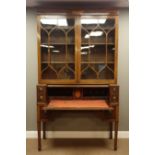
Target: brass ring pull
41 97
40 88
114 97
114 89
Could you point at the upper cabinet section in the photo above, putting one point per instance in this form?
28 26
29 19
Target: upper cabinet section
77 49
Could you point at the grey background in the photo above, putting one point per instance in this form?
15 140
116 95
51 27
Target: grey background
75 121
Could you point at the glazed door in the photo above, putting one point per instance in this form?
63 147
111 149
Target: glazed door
57 50
98 51
77 49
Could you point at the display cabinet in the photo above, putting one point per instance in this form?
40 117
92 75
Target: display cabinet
79 49
77 67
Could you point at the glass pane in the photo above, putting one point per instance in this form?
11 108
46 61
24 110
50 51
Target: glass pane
97 53
88 72
58 53
70 36
44 38
107 73
109 23
111 53
67 72
93 53
47 72
70 55
57 47
57 36
97 47
44 55
99 67
111 36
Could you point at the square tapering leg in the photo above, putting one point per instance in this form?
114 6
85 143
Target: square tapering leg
116 135
39 135
44 130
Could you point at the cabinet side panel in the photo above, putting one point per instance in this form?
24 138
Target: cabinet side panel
116 49
38 43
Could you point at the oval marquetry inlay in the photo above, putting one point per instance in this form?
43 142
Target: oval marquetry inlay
77 94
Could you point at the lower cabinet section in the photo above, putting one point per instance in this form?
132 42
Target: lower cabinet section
101 99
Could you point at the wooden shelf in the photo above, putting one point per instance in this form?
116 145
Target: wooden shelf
98 62
105 28
62 43
57 62
81 43
52 43
83 62
97 43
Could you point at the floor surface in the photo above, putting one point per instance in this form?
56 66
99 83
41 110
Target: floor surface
77 147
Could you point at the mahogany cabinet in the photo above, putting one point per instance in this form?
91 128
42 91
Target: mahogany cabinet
77 66
77 49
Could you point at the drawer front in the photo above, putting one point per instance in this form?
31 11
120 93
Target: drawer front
41 89
41 93
41 97
113 94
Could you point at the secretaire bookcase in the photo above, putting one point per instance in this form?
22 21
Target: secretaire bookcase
77 66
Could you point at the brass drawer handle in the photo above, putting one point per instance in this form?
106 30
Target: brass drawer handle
114 97
40 88
114 89
41 97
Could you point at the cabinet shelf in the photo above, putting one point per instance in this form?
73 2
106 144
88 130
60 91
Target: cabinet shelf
62 43
58 62
104 28
84 62
52 43
97 62
91 43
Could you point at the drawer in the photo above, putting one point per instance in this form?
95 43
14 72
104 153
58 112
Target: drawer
41 97
41 93
114 93
41 89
